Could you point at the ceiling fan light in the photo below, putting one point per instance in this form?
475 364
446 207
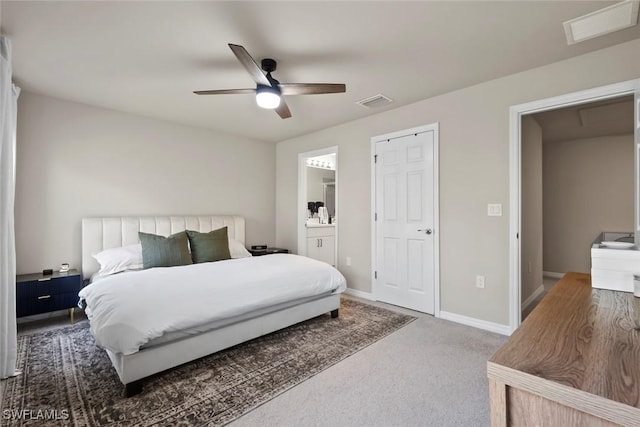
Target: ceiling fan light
267 97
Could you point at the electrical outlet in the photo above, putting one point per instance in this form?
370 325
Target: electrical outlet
348 261
480 282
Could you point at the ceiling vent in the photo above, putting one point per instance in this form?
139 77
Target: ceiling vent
604 21
375 101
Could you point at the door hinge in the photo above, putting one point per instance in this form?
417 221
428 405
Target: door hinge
375 216
517 235
375 274
375 158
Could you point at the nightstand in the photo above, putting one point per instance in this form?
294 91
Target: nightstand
268 251
37 293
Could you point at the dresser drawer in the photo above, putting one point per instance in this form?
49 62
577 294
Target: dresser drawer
48 286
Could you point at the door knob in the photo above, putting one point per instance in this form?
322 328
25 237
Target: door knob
426 230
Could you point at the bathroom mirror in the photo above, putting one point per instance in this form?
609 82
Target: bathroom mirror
321 186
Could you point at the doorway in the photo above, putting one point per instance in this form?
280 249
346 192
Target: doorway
318 214
405 226
576 182
517 112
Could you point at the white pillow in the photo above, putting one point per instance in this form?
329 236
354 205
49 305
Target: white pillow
237 249
115 260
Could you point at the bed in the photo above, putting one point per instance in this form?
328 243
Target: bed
136 360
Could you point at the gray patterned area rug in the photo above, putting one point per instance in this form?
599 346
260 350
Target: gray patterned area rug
68 380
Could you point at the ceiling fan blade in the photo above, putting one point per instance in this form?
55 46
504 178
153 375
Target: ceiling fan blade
311 88
283 109
224 91
249 64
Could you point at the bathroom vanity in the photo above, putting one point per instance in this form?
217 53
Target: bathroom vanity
321 243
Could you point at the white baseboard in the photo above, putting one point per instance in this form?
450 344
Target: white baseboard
552 274
476 323
526 303
359 294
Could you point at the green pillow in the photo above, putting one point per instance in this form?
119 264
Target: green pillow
208 247
159 251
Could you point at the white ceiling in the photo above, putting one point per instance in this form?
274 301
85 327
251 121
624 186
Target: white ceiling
147 57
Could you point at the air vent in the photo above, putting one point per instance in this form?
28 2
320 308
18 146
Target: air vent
604 21
375 101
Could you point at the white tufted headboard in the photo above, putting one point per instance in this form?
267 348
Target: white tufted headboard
99 234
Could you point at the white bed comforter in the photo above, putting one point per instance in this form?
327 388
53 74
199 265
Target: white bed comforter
127 310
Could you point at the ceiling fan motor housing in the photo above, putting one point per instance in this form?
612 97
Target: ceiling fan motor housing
269 65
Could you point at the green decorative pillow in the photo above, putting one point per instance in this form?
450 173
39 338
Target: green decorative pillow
208 247
159 251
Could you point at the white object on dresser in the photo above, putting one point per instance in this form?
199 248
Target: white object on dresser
321 243
614 268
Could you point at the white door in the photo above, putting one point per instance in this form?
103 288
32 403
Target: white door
404 221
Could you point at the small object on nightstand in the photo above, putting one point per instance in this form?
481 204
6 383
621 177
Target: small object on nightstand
64 267
47 272
259 247
268 251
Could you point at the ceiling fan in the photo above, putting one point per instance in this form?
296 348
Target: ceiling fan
269 91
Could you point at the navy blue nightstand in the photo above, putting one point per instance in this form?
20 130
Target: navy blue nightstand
37 293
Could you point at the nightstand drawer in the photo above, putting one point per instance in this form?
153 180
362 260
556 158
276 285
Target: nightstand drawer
46 303
48 286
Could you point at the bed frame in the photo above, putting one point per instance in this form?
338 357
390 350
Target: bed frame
99 234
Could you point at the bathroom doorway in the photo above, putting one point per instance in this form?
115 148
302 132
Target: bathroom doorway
318 216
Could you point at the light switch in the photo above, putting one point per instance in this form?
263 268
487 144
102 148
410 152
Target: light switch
494 209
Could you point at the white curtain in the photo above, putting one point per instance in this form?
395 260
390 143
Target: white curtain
8 118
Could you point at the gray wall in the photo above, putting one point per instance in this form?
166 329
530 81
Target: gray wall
531 212
75 160
474 171
588 188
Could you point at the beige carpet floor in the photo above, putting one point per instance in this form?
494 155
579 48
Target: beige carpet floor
430 373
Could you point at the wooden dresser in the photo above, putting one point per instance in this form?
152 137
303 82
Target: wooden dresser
575 361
